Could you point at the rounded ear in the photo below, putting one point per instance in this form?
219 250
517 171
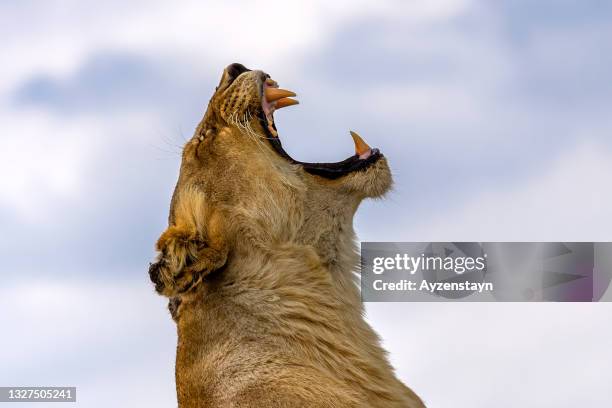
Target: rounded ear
230 73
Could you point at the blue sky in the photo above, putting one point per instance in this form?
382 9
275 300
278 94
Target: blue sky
494 116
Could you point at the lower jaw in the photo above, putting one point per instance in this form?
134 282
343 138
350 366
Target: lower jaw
330 171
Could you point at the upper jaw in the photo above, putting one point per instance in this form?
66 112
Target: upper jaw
274 98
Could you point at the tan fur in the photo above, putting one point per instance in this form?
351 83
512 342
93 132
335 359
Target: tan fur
259 258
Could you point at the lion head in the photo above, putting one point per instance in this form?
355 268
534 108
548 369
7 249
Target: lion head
238 189
244 104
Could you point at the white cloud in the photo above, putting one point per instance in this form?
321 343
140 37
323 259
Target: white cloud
567 201
115 341
47 160
58 38
423 102
499 354
41 158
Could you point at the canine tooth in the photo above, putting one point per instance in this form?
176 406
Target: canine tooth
361 147
284 102
274 94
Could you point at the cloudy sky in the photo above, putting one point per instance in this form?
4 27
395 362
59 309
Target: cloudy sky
494 116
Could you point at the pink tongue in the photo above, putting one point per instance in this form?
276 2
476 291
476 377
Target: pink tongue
365 154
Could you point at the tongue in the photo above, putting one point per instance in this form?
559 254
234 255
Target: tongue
361 147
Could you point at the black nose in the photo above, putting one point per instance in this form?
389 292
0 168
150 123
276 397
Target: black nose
235 69
154 272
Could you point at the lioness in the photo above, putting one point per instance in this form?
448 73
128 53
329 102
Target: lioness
259 259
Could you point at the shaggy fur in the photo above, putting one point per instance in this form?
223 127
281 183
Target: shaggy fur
259 260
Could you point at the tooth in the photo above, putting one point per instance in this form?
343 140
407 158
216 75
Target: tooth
361 147
284 102
274 94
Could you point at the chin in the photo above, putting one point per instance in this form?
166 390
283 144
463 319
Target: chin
371 182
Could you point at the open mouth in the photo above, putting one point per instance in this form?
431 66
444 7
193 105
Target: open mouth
274 98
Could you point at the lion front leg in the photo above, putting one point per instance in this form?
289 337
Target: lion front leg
184 259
